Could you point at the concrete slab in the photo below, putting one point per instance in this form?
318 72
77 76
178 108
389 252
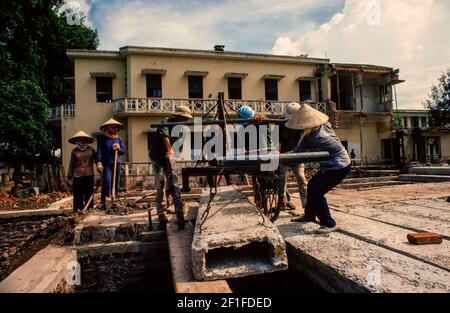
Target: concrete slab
421 211
99 249
341 263
181 262
96 228
393 238
235 240
424 178
438 170
43 273
406 221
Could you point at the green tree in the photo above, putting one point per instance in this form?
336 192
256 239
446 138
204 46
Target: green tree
24 109
439 102
33 42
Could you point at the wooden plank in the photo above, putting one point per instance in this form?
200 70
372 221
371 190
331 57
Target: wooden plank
393 238
180 260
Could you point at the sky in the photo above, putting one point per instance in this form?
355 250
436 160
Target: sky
411 35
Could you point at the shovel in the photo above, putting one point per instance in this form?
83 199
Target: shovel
98 184
113 189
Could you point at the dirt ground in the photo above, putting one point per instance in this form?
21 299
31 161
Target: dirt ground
8 202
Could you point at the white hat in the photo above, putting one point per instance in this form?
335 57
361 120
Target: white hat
183 110
290 109
81 134
306 117
111 121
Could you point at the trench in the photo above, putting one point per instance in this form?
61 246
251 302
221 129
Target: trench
142 265
129 258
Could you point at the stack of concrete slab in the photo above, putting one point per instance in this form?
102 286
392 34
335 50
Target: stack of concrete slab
427 174
235 240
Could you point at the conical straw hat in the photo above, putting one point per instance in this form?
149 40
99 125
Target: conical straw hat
183 110
306 117
81 134
111 121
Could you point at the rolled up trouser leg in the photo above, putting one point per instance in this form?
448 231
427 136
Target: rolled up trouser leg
159 186
172 176
299 174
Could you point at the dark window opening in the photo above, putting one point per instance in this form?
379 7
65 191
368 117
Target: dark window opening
383 93
234 88
345 144
423 122
271 88
154 86
319 87
304 87
195 85
342 91
391 150
414 121
104 89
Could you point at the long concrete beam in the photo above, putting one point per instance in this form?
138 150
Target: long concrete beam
235 240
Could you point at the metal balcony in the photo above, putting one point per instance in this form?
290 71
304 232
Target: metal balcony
164 106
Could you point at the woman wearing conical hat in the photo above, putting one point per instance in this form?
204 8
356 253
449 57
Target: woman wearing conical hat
108 143
81 170
318 135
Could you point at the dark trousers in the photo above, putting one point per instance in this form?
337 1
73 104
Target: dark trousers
318 186
83 187
165 172
108 172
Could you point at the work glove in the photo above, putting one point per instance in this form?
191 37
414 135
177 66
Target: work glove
170 154
100 167
116 146
259 117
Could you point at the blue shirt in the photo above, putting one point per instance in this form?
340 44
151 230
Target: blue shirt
325 139
105 152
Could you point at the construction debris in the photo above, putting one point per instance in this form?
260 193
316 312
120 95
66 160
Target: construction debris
9 202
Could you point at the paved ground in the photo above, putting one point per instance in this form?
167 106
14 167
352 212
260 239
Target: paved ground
370 252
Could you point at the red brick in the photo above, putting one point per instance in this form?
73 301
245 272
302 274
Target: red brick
424 238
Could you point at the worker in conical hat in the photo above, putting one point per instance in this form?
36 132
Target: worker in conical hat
108 143
317 134
288 141
163 164
81 170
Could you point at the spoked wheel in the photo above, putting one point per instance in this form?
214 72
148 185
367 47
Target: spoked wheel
266 192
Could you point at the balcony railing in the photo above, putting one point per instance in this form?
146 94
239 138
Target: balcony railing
127 106
56 113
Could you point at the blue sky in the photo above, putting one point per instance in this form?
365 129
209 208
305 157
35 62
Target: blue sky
251 26
405 34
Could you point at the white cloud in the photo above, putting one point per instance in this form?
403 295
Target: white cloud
201 24
409 34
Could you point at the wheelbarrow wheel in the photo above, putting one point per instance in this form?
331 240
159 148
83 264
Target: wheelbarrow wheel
266 192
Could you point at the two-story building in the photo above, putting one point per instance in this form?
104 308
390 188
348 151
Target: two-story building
418 141
142 85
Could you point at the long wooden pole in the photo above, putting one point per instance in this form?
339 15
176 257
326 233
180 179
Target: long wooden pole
113 191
